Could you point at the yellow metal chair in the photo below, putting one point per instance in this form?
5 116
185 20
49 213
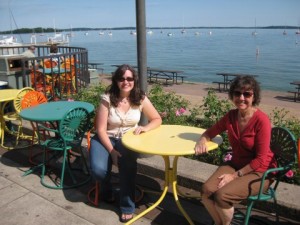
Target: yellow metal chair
13 117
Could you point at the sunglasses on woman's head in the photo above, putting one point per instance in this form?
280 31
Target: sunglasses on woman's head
129 79
246 94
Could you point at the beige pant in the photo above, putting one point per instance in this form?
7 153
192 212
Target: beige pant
235 191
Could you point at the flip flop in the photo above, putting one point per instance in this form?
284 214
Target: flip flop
124 218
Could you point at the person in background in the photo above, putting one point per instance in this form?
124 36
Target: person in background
120 111
30 53
249 134
54 51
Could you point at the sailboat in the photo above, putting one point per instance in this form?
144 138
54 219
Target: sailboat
10 40
58 38
284 32
183 31
149 32
71 34
254 33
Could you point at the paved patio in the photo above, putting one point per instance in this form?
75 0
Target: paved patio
23 200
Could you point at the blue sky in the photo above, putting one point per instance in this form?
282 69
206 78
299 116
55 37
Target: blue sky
159 13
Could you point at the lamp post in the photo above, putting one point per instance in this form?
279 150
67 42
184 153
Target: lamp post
141 47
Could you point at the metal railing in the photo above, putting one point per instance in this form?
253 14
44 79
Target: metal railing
57 76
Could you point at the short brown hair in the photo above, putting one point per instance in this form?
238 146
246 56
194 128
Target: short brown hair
247 83
53 49
31 47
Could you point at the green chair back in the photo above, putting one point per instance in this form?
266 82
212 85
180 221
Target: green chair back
74 125
69 135
283 144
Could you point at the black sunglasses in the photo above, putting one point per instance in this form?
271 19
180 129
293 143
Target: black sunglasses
129 79
246 94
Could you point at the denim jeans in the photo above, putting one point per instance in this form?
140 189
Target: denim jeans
101 165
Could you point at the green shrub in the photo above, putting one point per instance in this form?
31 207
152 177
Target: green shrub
175 109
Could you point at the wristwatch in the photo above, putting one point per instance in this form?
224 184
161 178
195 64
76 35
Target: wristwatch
239 173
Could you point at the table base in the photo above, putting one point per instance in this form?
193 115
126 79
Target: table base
170 180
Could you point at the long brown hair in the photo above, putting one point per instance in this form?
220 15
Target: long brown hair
135 96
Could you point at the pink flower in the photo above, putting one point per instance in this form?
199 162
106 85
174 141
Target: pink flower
70 100
180 111
289 174
227 157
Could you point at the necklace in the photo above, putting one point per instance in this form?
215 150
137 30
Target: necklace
124 100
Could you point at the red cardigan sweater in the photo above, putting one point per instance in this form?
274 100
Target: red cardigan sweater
250 146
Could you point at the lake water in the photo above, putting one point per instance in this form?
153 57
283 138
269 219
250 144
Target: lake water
274 57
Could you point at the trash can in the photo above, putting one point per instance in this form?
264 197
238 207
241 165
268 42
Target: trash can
94 76
3 84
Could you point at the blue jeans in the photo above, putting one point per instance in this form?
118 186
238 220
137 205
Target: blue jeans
101 165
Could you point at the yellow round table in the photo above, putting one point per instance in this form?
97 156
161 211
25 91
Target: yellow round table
6 95
167 141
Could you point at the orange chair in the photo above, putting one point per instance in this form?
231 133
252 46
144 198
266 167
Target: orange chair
31 99
48 63
41 83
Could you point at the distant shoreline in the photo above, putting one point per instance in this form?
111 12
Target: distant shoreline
51 30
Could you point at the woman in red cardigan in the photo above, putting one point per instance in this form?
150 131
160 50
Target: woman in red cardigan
249 133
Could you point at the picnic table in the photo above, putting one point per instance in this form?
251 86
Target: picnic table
156 74
94 65
227 78
296 92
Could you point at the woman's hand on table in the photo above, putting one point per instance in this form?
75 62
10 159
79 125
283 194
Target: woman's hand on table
139 129
200 148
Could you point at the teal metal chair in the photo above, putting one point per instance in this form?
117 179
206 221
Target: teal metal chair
283 144
68 136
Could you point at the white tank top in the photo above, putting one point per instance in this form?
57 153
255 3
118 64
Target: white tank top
119 123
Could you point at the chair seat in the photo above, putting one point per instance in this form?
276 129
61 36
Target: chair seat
11 116
56 144
263 197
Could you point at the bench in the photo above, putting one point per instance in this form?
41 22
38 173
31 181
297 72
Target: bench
221 83
157 77
296 95
165 74
181 77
